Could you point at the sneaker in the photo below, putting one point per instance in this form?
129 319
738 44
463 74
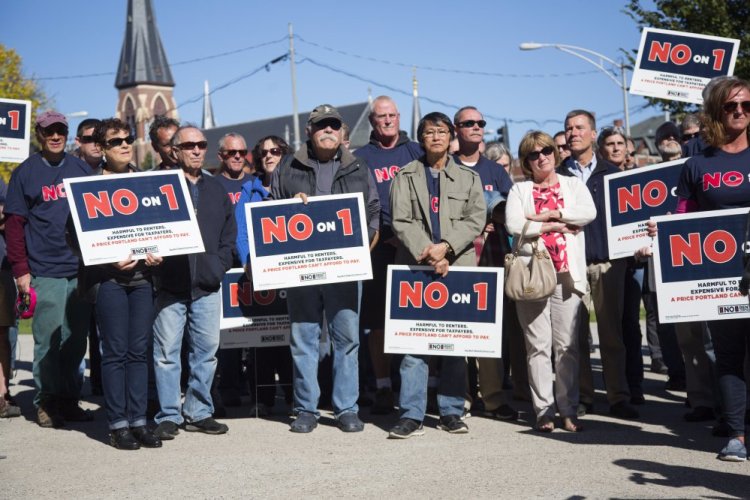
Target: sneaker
503 412
383 404
72 412
123 439
623 410
406 428
734 451
453 424
166 430
207 426
304 423
49 418
350 422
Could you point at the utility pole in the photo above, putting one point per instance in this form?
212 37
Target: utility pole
295 114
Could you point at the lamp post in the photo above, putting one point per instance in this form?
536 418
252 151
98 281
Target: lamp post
576 51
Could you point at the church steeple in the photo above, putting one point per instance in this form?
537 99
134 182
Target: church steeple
144 80
142 59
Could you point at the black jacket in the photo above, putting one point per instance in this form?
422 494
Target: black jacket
196 275
596 233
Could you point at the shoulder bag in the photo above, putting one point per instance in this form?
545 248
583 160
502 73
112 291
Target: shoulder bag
533 281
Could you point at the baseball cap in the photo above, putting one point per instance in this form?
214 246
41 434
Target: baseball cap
50 118
323 112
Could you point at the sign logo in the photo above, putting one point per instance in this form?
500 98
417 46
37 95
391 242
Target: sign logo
144 250
441 347
312 277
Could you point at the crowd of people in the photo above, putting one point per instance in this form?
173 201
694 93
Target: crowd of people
445 199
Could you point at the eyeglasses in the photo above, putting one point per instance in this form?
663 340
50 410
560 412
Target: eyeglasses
233 152
117 141
731 106
436 132
471 123
189 146
687 137
273 151
55 128
546 151
330 122
86 139
562 147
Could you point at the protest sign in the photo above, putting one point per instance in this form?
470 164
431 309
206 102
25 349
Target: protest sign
677 65
121 215
321 242
251 318
698 265
15 130
634 196
459 315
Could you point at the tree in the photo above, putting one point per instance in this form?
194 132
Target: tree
13 85
725 18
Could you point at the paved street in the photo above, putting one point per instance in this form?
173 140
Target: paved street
659 456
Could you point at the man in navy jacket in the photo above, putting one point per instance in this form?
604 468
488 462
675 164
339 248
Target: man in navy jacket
188 291
606 277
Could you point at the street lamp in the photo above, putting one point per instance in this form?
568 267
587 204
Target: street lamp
576 51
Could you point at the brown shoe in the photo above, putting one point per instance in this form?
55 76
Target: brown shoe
47 417
8 410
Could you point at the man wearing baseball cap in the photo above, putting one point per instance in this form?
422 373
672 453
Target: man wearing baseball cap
40 258
323 167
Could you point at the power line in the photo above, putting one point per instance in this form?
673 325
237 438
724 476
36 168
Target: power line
266 66
179 63
445 70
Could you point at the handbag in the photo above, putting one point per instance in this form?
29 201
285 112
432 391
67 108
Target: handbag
533 281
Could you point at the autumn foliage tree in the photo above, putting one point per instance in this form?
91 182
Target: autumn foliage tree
13 85
725 18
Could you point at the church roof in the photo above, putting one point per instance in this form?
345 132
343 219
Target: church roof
142 59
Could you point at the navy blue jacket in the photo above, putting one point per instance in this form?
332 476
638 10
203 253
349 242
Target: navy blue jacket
198 274
596 232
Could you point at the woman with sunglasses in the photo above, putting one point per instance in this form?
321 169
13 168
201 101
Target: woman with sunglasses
553 209
726 130
267 155
123 294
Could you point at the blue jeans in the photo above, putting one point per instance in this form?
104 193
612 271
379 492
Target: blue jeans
451 388
125 315
202 317
340 304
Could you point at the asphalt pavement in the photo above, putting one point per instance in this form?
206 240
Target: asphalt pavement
658 456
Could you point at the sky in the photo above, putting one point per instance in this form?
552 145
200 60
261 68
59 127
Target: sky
344 50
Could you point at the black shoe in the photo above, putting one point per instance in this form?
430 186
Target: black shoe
675 384
584 409
71 412
658 366
699 414
384 402
623 410
166 430
636 398
304 423
503 412
350 422
453 424
123 439
406 428
207 426
145 437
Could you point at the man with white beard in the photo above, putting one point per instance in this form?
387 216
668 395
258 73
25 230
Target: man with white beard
668 141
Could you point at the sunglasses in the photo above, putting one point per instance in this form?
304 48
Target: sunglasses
731 106
189 146
55 129
117 141
334 124
471 123
86 139
546 151
233 152
273 151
